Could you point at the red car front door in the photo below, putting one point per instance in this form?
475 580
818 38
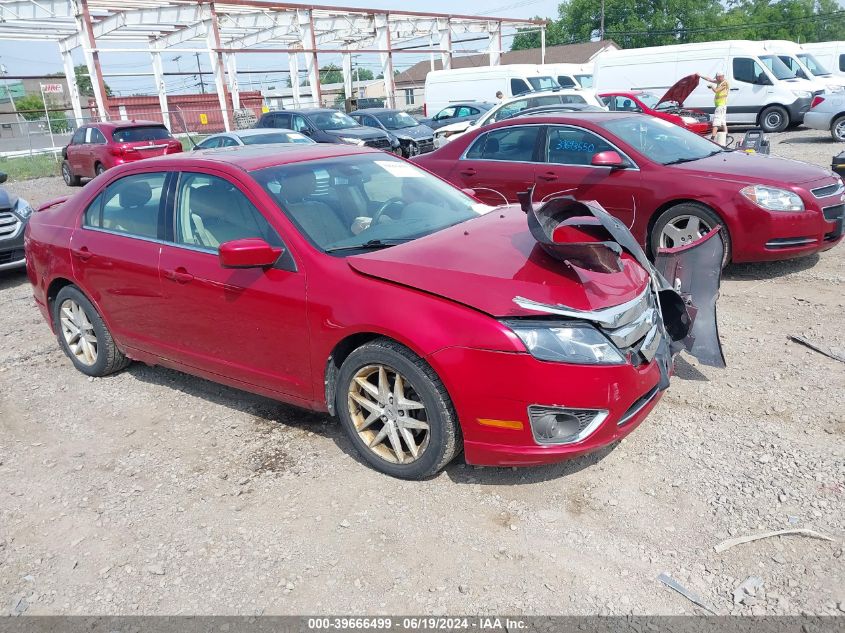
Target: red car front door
566 168
246 324
115 256
499 164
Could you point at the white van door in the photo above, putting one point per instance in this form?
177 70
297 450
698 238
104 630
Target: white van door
750 90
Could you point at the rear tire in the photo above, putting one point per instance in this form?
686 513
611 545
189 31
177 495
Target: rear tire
68 176
774 119
368 376
83 336
99 169
675 219
837 128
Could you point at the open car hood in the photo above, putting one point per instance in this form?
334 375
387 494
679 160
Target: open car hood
679 92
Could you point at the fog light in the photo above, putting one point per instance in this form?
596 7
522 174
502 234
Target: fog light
558 425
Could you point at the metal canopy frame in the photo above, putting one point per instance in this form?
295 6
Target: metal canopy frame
222 29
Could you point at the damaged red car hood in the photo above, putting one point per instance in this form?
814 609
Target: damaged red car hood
486 262
679 92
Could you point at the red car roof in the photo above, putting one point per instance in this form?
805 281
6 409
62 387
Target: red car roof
122 123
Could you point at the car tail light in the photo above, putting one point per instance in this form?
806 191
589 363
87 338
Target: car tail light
122 150
816 101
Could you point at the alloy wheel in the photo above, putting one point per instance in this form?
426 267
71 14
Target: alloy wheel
388 415
839 129
78 332
682 230
66 174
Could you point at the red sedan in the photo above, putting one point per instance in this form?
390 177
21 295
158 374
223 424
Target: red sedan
97 147
669 107
347 280
668 185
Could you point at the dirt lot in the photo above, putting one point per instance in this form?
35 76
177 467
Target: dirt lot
153 492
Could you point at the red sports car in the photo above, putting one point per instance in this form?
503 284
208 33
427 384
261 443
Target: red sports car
97 147
670 107
347 280
668 185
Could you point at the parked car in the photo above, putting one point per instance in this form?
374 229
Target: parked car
764 92
14 215
386 299
481 83
239 138
96 147
413 137
511 107
666 183
324 125
827 112
669 107
457 113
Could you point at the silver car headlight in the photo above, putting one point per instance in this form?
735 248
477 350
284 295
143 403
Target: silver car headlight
566 342
802 94
773 199
351 141
23 208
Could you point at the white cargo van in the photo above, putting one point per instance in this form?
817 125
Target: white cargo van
804 66
481 83
571 75
828 55
763 92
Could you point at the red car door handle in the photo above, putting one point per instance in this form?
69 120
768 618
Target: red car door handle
548 176
83 253
180 275
469 172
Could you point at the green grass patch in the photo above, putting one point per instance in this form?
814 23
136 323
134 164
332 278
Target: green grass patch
29 167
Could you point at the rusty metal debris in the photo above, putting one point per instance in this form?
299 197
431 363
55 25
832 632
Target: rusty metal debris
726 545
802 341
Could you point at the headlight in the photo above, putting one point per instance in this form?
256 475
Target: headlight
351 141
23 209
564 342
772 198
802 94
688 120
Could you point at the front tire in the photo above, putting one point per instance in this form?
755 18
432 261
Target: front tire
68 176
837 128
774 119
83 336
99 169
396 411
684 223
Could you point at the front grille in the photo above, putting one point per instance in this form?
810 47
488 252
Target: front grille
425 145
378 143
828 190
631 333
831 214
9 225
789 242
11 256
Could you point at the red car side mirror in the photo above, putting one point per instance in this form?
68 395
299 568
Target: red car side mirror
608 159
250 252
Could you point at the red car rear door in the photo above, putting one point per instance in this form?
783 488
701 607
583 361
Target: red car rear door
567 153
115 257
499 163
76 150
246 324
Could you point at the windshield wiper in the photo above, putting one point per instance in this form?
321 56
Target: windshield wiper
371 244
689 160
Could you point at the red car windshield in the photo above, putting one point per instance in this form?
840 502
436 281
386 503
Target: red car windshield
141 133
659 140
364 202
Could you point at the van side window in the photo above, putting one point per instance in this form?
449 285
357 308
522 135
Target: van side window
747 70
842 62
514 144
566 82
518 87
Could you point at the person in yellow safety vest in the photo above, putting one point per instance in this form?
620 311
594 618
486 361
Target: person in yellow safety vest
720 89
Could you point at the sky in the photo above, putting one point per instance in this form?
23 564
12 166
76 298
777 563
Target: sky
35 58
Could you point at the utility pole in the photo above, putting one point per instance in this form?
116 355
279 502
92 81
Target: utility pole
601 29
199 73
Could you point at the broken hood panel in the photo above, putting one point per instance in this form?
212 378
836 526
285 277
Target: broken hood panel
679 92
488 261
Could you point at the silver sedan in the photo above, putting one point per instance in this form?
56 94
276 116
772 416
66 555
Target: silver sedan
827 112
253 137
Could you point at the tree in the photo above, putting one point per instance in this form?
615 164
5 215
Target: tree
83 81
31 108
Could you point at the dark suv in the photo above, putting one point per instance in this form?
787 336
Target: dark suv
14 214
329 126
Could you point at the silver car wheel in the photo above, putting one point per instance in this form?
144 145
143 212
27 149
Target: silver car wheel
683 230
78 332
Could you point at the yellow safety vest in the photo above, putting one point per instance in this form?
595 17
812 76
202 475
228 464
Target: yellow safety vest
720 94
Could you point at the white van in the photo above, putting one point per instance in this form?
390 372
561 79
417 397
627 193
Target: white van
481 83
828 55
571 75
804 65
763 91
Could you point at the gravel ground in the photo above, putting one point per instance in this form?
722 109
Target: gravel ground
152 492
